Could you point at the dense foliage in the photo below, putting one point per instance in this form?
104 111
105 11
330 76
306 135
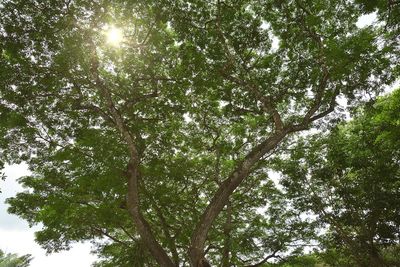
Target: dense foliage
159 144
350 178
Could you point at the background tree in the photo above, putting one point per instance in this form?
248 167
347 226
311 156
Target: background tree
13 260
350 178
147 141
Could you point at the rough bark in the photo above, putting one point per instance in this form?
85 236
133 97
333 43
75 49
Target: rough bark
221 197
141 224
375 258
167 234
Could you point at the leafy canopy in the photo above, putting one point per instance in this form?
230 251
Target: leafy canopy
159 144
350 179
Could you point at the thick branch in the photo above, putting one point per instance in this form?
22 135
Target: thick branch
306 122
141 224
243 169
139 98
226 188
165 227
318 96
330 109
133 174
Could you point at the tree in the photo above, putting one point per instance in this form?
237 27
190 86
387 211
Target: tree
155 143
350 178
13 260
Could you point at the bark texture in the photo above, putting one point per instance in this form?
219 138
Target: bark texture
221 197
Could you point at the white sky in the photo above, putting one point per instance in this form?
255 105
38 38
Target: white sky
366 20
17 237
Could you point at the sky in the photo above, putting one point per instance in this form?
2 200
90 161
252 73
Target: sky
17 237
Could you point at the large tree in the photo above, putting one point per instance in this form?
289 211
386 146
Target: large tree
147 141
350 178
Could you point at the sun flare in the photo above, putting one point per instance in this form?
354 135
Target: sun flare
114 36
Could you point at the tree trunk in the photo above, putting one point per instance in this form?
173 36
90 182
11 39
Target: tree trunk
141 224
375 258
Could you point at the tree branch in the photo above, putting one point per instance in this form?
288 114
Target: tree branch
133 173
226 188
273 255
103 232
165 227
266 101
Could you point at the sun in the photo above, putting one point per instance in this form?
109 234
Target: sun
114 36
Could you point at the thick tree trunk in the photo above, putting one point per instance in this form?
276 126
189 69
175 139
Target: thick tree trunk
376 261
141 224
375 258
221 197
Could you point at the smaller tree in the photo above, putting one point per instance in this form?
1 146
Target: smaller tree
350 178
13 260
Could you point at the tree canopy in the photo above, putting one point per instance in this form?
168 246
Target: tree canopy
350 178
160 143
13 260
